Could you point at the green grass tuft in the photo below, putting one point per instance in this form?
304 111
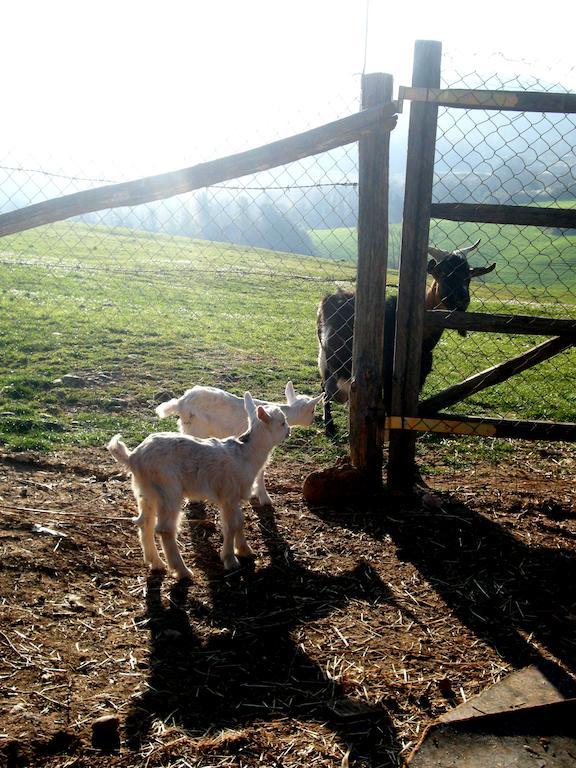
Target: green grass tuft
138 317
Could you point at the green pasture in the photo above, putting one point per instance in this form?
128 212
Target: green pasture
531 261
137 317
341 243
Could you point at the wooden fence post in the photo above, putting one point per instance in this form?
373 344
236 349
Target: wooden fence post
413 263
368 347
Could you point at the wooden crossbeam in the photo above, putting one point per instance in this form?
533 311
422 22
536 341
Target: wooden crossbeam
483 426
517 324
494 375
145 190
450 426
522 215
515 101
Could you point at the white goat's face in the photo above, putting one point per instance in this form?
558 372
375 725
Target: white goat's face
276 422
303 407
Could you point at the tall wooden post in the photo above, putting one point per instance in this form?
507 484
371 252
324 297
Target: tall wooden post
413 263
366 390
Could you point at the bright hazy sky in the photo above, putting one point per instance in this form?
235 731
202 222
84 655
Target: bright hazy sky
129 87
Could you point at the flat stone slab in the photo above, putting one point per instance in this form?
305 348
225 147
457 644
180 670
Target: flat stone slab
545 683
524 721
532 737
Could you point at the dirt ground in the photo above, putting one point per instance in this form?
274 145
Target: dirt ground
349 633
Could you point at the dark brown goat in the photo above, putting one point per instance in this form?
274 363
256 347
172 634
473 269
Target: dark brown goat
450 290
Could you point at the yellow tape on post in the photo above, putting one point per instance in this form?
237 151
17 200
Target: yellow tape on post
461 97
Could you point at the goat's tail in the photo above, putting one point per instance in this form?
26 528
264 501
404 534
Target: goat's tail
168 408
119 451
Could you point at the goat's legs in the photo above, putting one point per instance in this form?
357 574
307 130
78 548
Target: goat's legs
234 541
167 528
259 490
330 389
145 522
241 546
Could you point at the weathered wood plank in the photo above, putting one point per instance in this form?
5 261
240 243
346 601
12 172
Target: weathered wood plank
455 424
145 190
523 215
494 375
517 324
515 101
413 262
367 353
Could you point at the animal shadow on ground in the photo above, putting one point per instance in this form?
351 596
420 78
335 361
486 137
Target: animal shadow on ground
247 667
499 587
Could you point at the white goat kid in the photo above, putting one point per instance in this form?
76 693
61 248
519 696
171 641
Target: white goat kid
212 412
168 467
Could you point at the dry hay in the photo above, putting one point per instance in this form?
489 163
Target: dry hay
351 631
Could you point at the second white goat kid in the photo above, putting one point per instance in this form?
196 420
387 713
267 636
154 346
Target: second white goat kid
168 467
212 412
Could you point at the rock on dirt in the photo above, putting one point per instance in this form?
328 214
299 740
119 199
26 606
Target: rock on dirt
71 380
106 733
337 485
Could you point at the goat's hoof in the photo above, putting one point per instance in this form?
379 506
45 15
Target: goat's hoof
265 501
245 551
231 562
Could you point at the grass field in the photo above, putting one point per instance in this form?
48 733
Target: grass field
137 317
536 261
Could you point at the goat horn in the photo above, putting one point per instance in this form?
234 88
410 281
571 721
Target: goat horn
469 248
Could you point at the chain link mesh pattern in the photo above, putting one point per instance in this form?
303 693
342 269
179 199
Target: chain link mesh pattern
109 313
509 159
221 286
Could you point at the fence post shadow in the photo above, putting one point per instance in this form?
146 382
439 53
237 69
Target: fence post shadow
506 592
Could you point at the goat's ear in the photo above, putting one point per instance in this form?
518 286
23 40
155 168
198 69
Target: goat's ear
479 271
249 407
432 264
262 415
316 400
290 393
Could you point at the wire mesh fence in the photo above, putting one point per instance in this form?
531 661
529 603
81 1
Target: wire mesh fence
111 312
108 314
508 159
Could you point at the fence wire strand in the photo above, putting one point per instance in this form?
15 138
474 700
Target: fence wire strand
221 286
